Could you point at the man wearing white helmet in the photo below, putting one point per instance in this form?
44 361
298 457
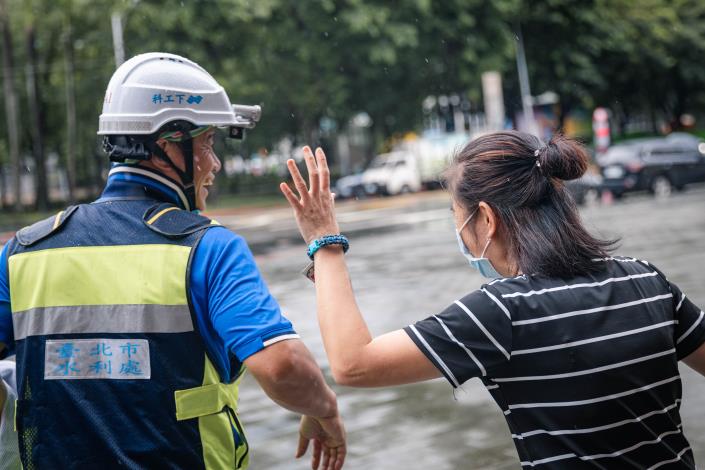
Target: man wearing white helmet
133 318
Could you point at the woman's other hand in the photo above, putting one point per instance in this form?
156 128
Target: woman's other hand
313 206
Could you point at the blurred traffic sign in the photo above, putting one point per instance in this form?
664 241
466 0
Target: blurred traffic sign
601 129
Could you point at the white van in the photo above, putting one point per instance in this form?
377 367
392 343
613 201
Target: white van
392 173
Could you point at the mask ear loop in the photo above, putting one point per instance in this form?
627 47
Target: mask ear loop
467 220
489 240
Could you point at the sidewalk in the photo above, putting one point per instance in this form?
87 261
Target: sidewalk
271 227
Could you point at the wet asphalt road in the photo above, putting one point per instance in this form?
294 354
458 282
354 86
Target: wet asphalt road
413 269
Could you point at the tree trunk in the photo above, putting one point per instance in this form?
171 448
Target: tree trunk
565 107
681 93
70 113
652 117
36 121
11 106
3 188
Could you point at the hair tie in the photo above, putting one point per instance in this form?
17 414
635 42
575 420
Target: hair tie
537 153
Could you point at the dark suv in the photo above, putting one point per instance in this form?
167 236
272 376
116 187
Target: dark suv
657 164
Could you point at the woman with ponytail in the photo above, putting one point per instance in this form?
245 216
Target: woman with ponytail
578 347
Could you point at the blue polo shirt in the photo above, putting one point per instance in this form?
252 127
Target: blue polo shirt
233 307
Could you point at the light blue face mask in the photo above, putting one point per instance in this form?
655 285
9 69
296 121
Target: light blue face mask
480 263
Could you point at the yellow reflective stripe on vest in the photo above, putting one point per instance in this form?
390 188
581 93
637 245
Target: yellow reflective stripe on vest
212 403
57 220
99 275
205 400
161 213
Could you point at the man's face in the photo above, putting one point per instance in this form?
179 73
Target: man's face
205 166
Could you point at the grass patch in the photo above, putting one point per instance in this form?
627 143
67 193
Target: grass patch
698 133
11 221
235 201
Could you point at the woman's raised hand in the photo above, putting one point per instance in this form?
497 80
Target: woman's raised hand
313 205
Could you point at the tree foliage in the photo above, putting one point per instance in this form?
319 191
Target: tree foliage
306 60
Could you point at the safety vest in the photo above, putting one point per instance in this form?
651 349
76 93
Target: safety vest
111 369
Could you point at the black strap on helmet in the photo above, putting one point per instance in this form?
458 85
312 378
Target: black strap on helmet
122 148
125 147
185 143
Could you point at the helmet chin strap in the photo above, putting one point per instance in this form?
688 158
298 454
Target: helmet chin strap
186 146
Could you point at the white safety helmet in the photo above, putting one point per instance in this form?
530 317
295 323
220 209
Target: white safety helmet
151 90
159 95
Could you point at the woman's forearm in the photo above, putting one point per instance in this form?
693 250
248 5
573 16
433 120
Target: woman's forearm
355 358
345 333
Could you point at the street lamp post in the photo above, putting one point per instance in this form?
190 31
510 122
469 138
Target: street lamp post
118 44
524 86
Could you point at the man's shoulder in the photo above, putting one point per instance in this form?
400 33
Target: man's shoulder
219 238
38 231
173 222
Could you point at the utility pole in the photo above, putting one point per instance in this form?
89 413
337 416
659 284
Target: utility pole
118 43
526 100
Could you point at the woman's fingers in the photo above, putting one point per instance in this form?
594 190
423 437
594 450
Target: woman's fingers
313 179
290 196
323 170
298 180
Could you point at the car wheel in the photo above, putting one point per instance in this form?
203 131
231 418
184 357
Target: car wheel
661 186
405 189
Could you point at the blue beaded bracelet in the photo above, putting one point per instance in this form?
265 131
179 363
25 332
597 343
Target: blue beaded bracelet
326 240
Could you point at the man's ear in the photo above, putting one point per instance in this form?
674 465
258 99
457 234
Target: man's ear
172 151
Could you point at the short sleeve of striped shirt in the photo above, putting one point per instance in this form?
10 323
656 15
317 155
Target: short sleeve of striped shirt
470 338
690 329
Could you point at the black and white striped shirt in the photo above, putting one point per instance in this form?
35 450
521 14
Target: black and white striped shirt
585 370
